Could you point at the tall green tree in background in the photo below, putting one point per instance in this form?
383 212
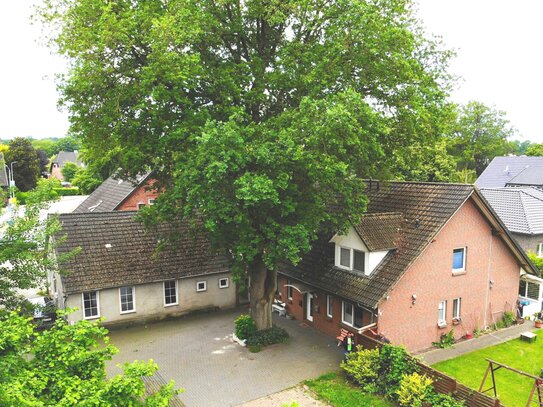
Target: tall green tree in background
26 170
535 150
258 116
480 134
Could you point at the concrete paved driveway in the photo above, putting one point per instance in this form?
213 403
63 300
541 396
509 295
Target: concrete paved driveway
199 354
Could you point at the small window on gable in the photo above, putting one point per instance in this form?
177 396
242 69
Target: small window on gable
201 286
141 205
540 250
345 257
151 201
459 259
223 282
359 261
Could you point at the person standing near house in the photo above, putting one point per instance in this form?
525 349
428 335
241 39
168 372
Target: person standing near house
348 344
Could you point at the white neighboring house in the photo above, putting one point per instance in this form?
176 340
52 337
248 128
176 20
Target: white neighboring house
118 274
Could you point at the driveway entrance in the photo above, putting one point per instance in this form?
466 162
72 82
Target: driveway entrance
197 352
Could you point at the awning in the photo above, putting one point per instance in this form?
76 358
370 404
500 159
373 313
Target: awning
300 287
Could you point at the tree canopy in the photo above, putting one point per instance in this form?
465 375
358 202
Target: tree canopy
69 170
260 117
65 366
26 168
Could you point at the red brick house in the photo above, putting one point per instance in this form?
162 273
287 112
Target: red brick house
426 258
116 194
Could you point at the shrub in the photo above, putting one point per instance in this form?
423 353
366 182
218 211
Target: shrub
362 367
413 390
267 337
446 340
245 326
508 319
67 191
443 400
394 363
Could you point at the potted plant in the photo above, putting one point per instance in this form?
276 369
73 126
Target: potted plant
538 322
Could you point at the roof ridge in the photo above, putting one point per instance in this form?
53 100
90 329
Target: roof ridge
98 214
424 183
522 204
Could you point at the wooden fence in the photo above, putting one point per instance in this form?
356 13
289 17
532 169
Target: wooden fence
442 382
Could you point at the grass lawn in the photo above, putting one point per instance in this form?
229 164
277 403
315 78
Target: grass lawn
513 389
333 389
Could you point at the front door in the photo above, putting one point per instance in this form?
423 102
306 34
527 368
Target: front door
309 306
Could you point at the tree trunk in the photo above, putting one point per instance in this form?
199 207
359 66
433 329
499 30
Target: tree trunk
261 291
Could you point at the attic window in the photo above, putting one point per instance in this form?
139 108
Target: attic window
352 259
345 257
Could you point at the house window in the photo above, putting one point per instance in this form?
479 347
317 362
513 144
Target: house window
289 289
127 300
359 261
347 314
345 257
170 293
201 286
459 259
442 312
223 282
540 250
141 205
90 305
151 201
456 308
329 306
529 290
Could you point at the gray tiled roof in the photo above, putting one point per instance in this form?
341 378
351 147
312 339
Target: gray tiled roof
532 175
520 209
502 170
425 208
109 195
64 157
116 250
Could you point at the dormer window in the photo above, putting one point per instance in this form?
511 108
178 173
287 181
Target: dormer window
352 259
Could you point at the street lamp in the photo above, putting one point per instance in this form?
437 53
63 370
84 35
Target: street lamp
12 181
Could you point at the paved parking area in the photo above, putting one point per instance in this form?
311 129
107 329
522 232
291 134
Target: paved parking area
199 354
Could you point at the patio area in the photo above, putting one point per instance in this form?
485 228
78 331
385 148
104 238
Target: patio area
198 353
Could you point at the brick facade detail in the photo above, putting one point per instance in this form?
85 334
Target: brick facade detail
141 195
487 288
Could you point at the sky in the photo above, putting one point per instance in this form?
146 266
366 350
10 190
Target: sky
498 46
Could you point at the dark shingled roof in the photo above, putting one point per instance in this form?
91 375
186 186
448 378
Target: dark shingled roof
425 208
502 170
109 195
380 231
116 250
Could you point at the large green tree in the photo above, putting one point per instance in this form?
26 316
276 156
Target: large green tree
479 134
259 117
26 167
65 366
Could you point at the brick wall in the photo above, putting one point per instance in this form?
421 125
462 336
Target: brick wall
488 287
141 194
329 326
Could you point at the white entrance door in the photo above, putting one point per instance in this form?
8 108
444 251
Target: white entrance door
309 307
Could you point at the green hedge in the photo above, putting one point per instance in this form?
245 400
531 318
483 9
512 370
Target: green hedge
67 191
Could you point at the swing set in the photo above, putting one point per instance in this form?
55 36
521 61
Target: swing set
536 388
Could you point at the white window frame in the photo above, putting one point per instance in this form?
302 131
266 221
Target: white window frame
164 294
442 307
133 300
198 289
525 293
97 304
140 205
457 308
224 279
465 252
151 201
343 313
539 250
329 306
290 291
350 266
